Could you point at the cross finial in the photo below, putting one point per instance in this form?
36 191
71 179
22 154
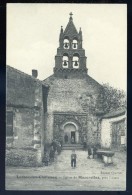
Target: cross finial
70 14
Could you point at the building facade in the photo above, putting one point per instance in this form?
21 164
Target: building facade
25 108
67 106
113 130
73 99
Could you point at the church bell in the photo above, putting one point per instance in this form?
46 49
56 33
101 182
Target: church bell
74 45
66 45
76 63
65 63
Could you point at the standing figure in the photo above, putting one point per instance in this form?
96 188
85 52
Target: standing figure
54 145
73 159
72 140
66 138
94 151
59 148
84 143
89 151
52 154
46 158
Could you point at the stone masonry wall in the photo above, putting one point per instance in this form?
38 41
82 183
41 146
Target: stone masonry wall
25 100
73 95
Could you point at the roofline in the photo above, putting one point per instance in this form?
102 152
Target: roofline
25 74
48 77
114 116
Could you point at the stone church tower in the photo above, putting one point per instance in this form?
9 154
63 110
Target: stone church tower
70 60
73 100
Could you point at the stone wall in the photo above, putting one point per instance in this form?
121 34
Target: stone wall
20 147
93 130
25 100
106 130
23 131
79 119
73 95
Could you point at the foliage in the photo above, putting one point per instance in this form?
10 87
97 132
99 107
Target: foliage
20 157
113 98
108 99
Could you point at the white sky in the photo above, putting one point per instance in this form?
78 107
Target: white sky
33 37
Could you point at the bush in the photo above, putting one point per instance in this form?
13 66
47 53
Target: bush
21 157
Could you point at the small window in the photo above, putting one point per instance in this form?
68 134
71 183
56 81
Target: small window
9 124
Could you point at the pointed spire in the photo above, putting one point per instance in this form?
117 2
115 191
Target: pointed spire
61 32
61 29
70 28
60 37
80 33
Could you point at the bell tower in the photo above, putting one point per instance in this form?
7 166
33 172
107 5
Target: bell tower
70 61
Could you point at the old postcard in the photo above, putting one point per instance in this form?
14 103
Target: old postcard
66 97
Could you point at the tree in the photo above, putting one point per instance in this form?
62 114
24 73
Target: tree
112 98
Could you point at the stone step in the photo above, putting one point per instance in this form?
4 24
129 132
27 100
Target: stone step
72 146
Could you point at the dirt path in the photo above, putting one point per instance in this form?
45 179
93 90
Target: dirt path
90 174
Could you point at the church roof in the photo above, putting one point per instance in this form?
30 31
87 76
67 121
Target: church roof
70 28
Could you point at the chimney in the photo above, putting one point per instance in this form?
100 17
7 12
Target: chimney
34 73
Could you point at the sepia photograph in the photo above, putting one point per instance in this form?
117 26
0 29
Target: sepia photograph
66 97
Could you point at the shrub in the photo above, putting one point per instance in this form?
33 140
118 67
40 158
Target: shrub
21 157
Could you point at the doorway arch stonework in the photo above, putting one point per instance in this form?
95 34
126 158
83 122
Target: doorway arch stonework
62 119
70 130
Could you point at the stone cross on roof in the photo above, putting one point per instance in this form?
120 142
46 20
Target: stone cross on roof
70 14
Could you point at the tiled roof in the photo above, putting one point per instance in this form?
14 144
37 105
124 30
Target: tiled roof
22 73
115 113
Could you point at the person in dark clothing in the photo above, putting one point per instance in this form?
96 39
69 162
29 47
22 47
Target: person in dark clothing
73 159
46 158
66 138
72 140
61 143
84 145
52 154
94 151
89 151
59 148
54 145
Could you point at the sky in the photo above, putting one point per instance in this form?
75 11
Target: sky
33 37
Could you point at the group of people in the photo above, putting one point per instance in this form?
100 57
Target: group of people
91 154
50 150
56 147
91 151
66 139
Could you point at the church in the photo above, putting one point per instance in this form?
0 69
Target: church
66 106
73 95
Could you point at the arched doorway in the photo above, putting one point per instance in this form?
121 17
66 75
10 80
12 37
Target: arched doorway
70 133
